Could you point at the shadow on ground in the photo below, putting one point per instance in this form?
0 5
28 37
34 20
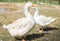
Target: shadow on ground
31 37
50 28
34 36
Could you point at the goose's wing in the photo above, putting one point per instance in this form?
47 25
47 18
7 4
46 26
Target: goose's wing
49 20
23 23
20 23
21 28
40 18
43 20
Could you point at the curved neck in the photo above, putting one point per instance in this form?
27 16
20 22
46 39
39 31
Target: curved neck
36 12
27 14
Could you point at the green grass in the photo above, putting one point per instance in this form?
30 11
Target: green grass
33 35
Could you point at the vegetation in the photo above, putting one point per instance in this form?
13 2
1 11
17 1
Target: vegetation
47 1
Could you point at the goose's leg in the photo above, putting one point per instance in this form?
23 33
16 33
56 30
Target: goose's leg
40 29
23 38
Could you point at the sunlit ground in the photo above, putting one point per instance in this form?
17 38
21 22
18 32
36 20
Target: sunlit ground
52 31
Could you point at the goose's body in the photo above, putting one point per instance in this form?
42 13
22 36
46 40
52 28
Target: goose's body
41 19
23 25
22 29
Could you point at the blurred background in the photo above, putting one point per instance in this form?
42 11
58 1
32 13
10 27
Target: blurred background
36 1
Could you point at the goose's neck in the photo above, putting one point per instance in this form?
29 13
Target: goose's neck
36 12
27 13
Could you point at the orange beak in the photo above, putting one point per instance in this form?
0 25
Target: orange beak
33 5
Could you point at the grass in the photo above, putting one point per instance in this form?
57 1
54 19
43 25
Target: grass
51 33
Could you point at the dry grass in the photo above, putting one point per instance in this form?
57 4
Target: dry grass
52 32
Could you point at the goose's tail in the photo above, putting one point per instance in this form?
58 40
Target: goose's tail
52 20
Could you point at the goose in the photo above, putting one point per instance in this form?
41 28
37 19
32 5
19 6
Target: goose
42 20
21 26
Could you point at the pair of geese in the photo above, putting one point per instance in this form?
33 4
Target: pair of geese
22 26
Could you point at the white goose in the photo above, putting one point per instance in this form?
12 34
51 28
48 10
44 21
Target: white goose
41 19
20 27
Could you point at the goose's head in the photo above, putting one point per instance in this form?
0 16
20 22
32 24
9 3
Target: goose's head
28 4
34 6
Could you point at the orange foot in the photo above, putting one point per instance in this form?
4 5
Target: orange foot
24 40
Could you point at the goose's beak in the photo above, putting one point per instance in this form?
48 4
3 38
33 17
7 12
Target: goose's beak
33 5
